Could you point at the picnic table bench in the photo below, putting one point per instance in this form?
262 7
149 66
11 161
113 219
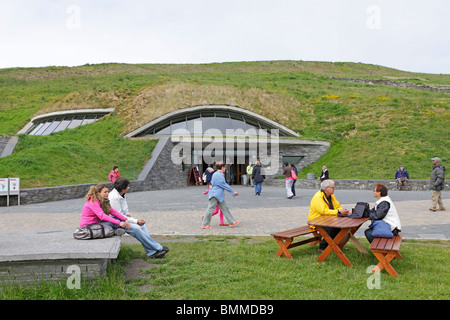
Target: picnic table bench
348 227
385 250
285 238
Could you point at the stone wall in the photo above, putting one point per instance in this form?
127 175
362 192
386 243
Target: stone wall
32 271
357 184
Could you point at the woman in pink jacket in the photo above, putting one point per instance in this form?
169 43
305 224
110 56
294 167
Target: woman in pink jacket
114 174
97 208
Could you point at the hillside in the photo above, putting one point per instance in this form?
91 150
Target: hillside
373 125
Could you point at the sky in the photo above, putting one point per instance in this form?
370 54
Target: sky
409 35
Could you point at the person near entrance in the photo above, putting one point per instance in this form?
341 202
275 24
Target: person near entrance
258 177
249 171
217 197
208 173
232 173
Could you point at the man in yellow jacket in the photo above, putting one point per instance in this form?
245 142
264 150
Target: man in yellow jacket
324 202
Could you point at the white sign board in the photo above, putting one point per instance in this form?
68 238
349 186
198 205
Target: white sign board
4 186
14 186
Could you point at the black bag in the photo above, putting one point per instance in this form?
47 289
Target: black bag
94 231
361 210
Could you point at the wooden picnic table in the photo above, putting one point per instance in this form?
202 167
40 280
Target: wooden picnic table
348 228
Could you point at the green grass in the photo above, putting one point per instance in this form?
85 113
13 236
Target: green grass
85 154
245 268
372 128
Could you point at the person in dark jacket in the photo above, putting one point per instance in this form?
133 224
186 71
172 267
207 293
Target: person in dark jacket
209 172
296 172
401 177
258 178
437 179
324 174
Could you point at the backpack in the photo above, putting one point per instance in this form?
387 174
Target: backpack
94 231
361 210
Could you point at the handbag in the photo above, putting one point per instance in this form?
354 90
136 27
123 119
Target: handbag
381 229
361 210
94 231
293 175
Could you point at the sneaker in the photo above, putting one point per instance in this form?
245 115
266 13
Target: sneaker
440 209
158 255
432 209
233 224
166 249
206 227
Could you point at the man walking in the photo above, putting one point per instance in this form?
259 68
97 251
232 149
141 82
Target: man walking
217 197
437 179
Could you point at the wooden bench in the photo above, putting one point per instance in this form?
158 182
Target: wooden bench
285 238
385 250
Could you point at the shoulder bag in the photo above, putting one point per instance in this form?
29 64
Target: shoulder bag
361 210
94 231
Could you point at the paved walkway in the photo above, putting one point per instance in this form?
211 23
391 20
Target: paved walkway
179 212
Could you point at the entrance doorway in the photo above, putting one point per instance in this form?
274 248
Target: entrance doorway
233 160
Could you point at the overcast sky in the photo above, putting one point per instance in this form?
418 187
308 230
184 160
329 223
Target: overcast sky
410 35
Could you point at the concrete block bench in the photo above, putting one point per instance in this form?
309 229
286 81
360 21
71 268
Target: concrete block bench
31 255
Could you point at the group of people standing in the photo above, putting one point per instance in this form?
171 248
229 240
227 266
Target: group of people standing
290 172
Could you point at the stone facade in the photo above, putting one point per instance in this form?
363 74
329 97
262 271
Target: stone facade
311 151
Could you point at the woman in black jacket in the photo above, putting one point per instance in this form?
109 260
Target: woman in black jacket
258 178
324 174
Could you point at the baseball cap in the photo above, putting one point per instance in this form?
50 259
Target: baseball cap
436 159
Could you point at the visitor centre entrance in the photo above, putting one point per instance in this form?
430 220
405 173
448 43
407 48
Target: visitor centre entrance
204 135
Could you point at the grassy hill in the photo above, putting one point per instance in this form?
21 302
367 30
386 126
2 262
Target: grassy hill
372 128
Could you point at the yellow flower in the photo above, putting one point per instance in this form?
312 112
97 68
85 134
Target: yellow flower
330 96
382 98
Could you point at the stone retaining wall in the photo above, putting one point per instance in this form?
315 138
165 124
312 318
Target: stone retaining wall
357 184
30 272
28 256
